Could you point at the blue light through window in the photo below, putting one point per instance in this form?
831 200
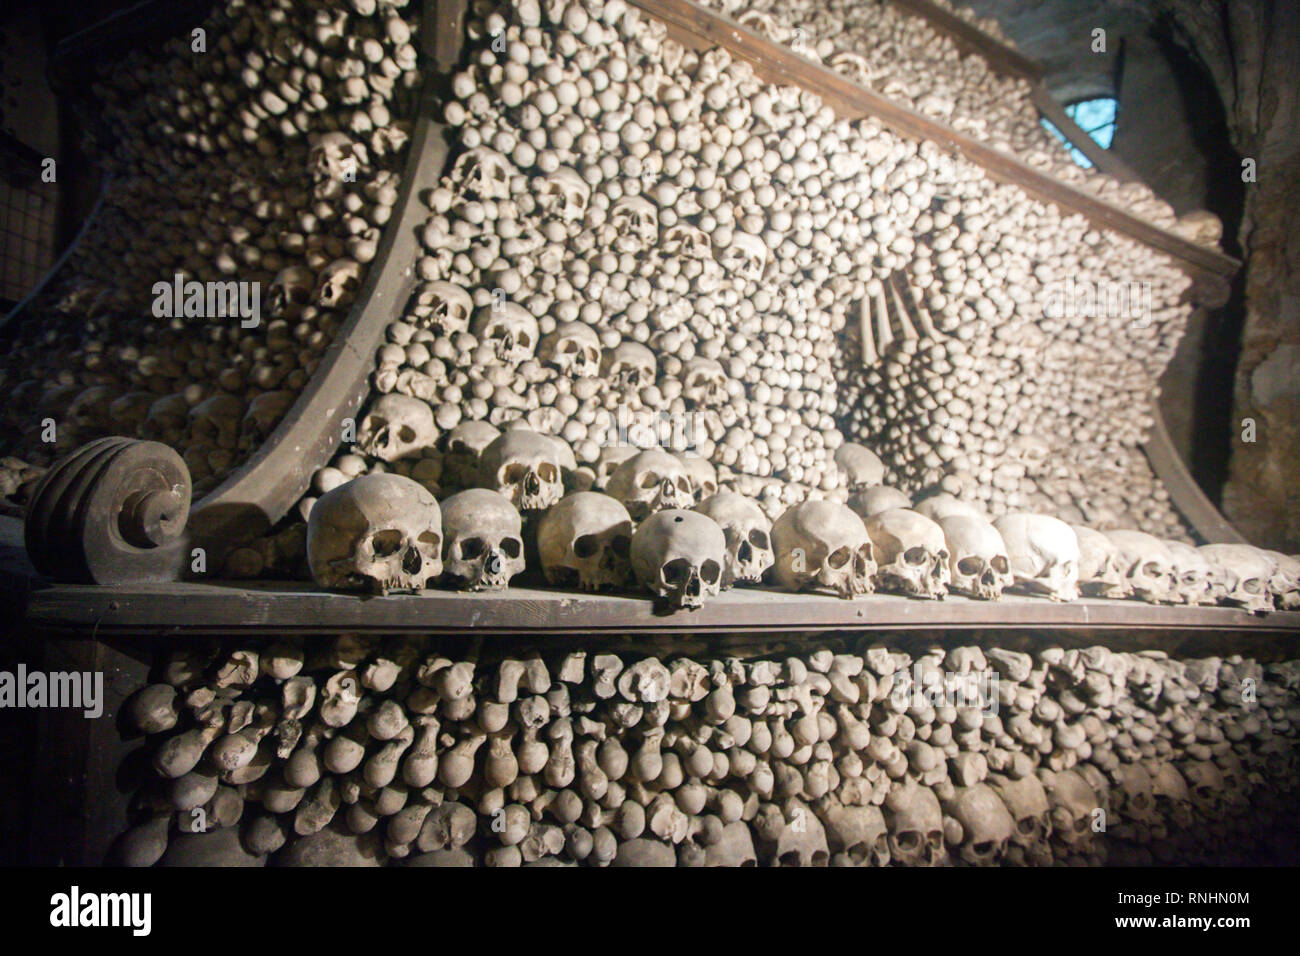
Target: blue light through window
1096 118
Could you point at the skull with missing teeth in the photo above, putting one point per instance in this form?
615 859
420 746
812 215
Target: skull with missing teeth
748 534
1146 563
564 194
746 257
524 466
912 553
650 481
379 532
509 328
629 366
634 222
585 539
484 547
482 173
679 555
573 348
704 383
978 561
443 307
397 426
822 544
1246 572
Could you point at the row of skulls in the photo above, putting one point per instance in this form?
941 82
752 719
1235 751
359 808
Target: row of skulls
663 520
361 750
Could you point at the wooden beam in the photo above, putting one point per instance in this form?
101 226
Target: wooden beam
778 64
1002 58
1103 159
185 608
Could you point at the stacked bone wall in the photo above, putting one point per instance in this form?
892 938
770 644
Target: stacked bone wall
223 165
1012 402
370 751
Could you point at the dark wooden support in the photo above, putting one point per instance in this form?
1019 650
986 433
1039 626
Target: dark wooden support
182 609
83 781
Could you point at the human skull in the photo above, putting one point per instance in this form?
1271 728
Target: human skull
650 481
1137 802
1026 801
861 466
397 426
483 549
338 284
290 292
1246 570
635 222
1073 804
911 552
822 544
872 501
1285 582
856 836
1192 575
986 825
509 328
679 555
464 449
688 242
1044 554
264 413
611 456
703 476
1172 795
977 557
748 534
915 824
704 383
482 173
735 849
802 841
573 348
442 307
1101 573
564 194
1147 565
1205 781
523 466
378 532
745 257
333 159
629 366
585 539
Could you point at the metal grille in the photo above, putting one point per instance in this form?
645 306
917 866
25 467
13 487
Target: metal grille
26 237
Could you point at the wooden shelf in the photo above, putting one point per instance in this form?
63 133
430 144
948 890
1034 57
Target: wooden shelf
192 608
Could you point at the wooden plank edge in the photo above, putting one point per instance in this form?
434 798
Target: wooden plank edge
1186 495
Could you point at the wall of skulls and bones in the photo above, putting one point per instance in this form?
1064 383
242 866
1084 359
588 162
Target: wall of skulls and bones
367 750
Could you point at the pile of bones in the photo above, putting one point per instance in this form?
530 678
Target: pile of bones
639 248
270 156
367 750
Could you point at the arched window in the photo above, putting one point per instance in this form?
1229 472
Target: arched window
1096 117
